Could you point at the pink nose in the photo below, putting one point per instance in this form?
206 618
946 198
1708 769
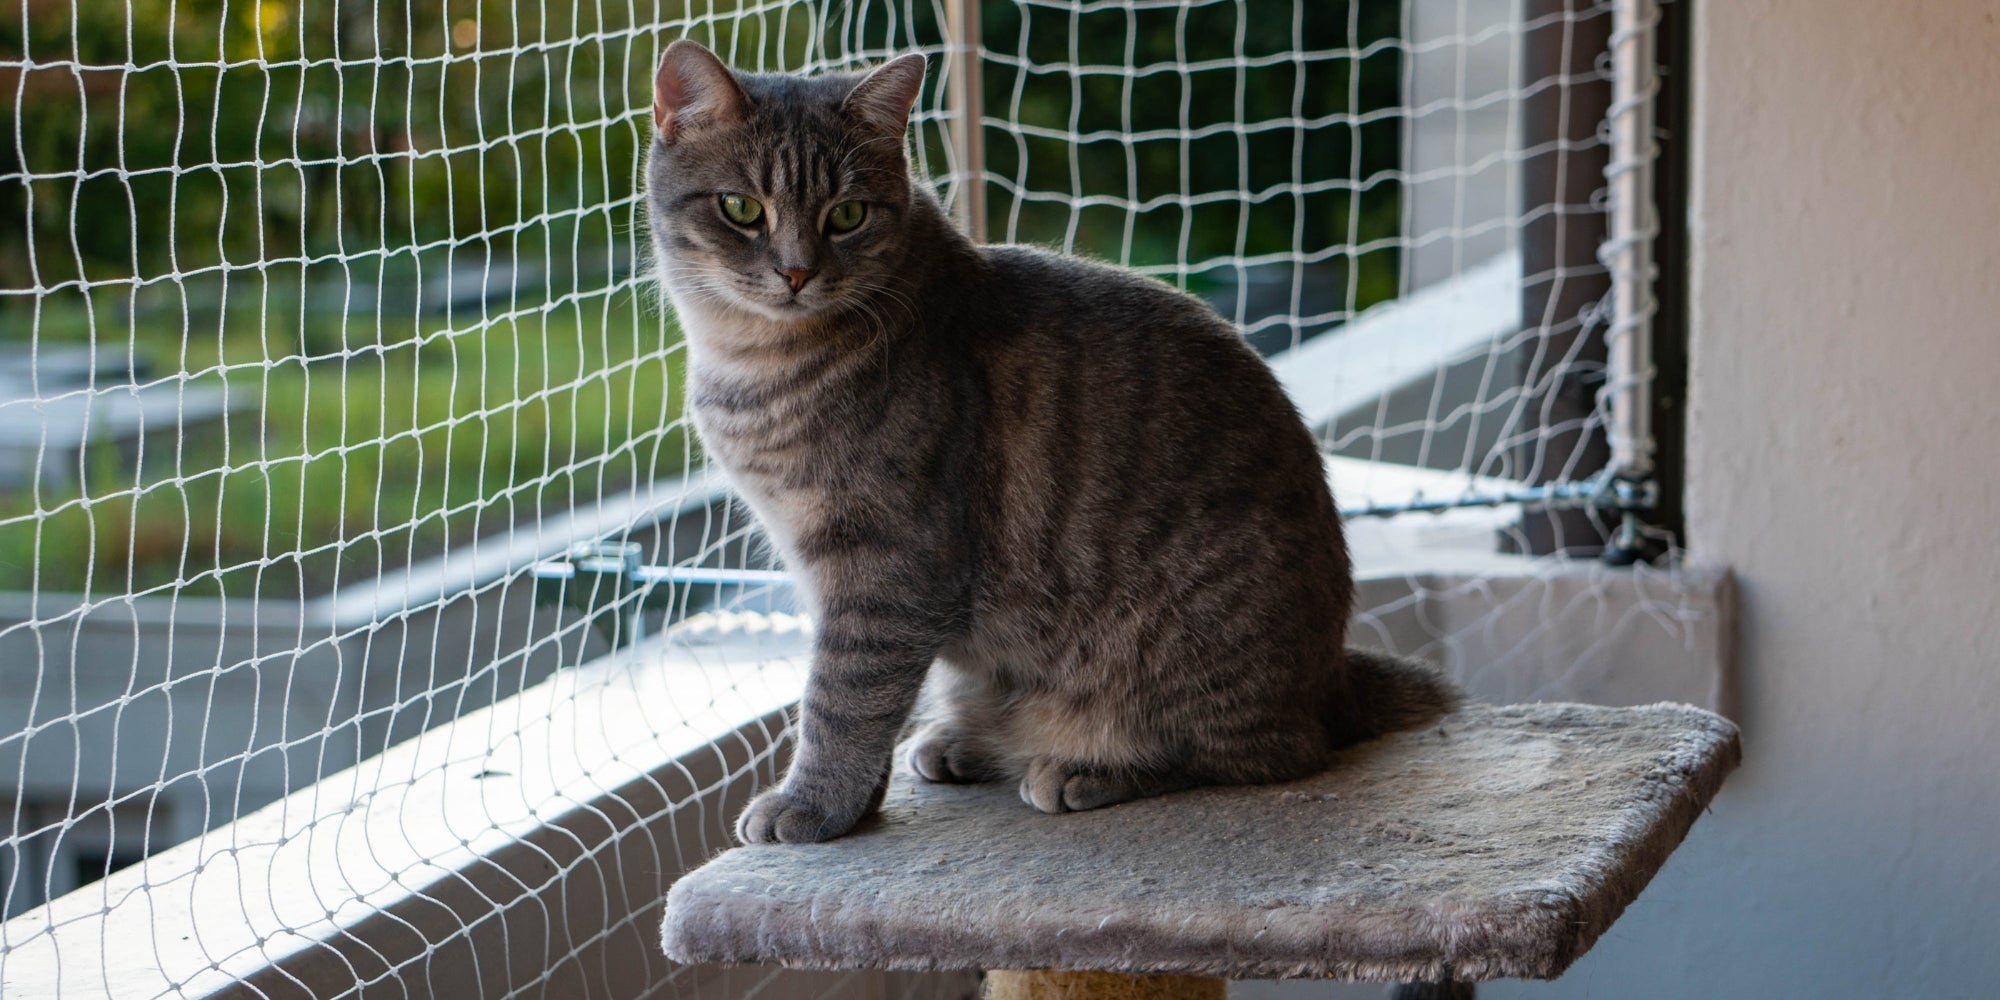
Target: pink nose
798 277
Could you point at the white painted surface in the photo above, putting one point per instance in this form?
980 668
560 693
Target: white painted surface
1846 343
1399 342
1846 354
393 842
1514 629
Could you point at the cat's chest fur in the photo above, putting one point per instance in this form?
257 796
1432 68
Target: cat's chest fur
772 417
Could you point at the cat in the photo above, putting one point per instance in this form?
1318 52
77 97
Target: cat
1071 491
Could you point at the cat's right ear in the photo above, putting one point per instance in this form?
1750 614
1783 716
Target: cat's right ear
883 98
694 90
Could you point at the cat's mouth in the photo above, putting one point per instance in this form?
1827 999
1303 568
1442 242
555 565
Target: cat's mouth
776 304
793 304
785 305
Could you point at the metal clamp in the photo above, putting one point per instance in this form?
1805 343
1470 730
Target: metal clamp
596 577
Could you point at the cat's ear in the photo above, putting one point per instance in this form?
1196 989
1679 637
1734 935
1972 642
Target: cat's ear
694 89
883 98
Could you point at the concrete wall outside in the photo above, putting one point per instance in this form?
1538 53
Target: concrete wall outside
1842 409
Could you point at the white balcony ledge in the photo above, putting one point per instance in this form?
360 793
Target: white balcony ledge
528 844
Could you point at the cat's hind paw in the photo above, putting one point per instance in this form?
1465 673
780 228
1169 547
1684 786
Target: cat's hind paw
941 754
949 757
1055 786
930 757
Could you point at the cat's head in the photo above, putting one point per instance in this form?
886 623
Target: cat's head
783 196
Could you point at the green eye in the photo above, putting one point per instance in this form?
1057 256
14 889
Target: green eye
740 210
846 216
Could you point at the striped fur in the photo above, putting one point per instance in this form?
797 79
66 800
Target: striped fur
1070 487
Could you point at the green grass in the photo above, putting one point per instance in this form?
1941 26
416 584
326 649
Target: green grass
361 461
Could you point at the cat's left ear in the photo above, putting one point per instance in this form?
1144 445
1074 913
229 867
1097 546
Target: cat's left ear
883 98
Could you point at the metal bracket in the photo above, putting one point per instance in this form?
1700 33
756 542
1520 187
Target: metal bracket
599 577
1630 496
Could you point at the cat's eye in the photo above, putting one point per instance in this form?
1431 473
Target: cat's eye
742 211
846 216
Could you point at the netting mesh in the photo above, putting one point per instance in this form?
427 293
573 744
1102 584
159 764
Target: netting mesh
328 340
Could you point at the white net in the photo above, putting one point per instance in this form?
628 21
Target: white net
327 343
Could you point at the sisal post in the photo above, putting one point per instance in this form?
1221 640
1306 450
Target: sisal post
1044 985
1449 990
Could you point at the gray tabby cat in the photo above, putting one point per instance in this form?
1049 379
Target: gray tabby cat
1072 487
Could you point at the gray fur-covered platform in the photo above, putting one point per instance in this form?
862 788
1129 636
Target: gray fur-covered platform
1497 843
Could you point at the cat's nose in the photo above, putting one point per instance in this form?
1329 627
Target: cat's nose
798 276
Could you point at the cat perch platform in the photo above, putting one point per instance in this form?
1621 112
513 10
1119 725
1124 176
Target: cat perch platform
1496 843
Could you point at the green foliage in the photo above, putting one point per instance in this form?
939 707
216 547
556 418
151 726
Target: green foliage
166 137
273 196
1325 133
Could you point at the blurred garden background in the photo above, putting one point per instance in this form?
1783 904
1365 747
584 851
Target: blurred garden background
330 287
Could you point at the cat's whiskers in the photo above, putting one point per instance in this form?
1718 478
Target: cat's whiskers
698 281
873 303
887 296
876 327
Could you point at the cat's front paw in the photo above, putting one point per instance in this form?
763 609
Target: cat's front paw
778 817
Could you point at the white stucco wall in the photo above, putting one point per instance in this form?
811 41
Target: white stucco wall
1843 417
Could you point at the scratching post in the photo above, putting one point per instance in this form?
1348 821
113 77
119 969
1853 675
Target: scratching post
1101 986
1432 991
1499 842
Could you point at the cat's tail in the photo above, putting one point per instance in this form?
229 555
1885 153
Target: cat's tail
1387 693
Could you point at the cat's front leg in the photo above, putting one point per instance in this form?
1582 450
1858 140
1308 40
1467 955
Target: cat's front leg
863 683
